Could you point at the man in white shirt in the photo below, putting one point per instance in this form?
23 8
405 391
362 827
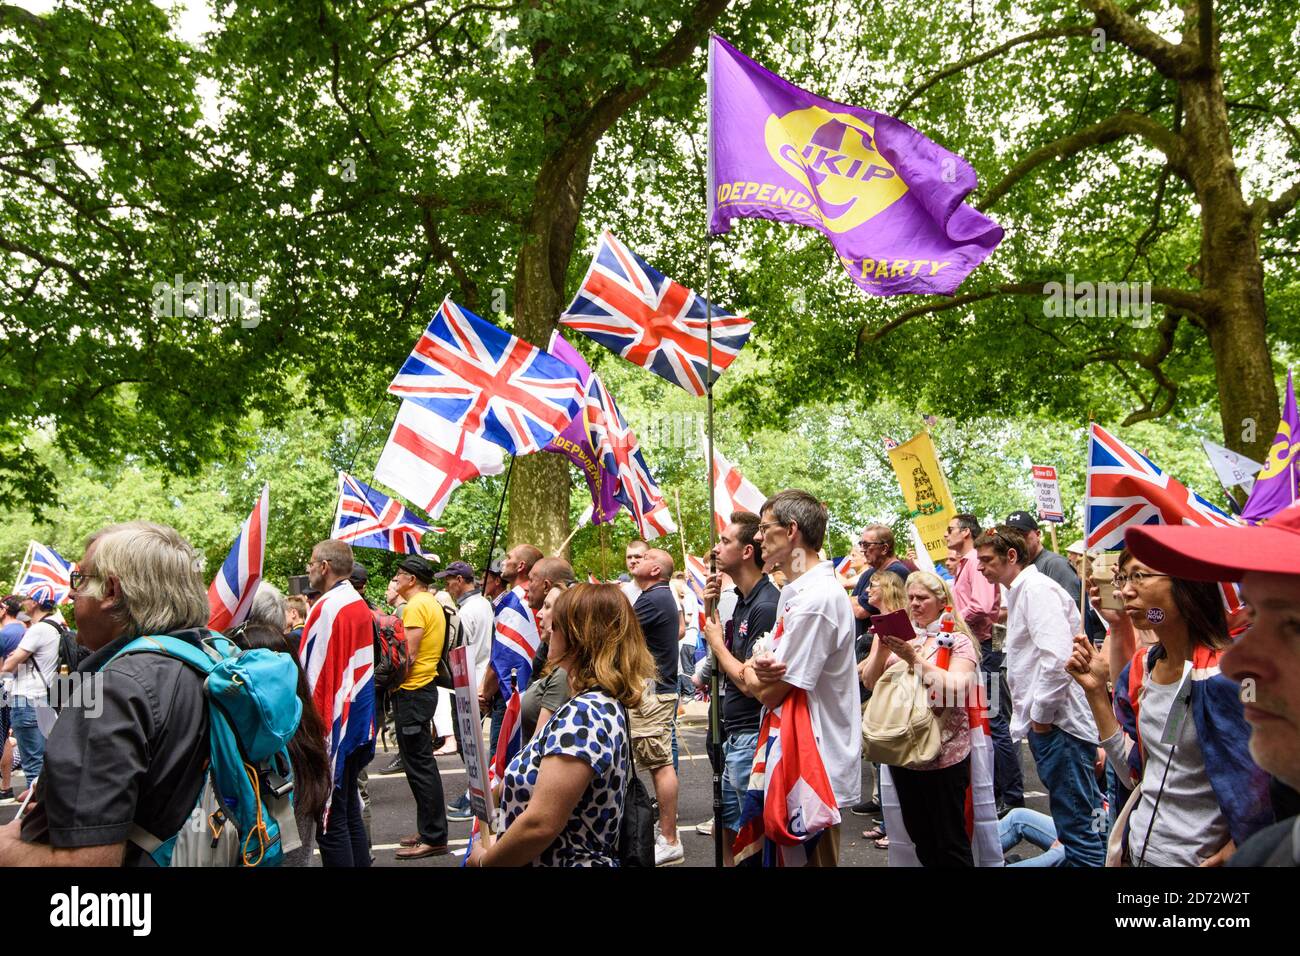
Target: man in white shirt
1047 705
814 651
35 663
635 552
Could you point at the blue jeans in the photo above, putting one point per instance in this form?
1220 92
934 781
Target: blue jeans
737 762
31 742
1065 767
1032 827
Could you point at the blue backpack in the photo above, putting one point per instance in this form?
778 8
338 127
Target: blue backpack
244 814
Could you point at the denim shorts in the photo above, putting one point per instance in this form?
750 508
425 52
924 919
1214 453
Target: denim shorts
737 762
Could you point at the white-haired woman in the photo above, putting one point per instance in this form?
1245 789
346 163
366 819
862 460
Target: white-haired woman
932 796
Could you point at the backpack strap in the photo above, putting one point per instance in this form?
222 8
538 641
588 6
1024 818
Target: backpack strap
202 659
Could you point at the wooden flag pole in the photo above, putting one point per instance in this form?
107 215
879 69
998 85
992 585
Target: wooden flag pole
681 530
1051 526
578 527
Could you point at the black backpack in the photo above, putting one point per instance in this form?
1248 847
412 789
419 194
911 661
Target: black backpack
70 655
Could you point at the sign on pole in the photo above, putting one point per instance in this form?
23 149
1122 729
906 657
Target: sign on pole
1047 490
465 683
925 489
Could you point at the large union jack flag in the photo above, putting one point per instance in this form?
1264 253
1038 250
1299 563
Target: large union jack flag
489 382
1125 488
637 312
232 590
515 641
616 443
367 518
45 566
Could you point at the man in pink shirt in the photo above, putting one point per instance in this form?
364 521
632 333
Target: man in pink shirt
978 601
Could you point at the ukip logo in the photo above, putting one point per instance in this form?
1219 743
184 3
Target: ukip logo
834 157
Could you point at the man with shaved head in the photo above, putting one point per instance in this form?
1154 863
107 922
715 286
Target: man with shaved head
653 720
546 574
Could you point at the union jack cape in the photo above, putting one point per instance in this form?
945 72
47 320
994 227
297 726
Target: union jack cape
338 658
368 518
980 807
637 312
489 382
1125 488
44 566
514 641
231 594
789 803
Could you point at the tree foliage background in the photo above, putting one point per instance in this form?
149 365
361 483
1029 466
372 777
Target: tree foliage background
355 163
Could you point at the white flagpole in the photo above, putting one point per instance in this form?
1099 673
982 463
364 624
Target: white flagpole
338 507
22 565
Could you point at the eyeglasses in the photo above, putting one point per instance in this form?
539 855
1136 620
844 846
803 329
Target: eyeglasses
78 578
1136 578
865 545
769 524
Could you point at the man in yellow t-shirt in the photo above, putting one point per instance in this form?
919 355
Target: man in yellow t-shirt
413 706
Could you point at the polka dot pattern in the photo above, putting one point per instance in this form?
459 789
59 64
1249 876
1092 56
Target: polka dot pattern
591 728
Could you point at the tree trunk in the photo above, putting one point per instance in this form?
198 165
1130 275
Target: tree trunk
539 490
1232 275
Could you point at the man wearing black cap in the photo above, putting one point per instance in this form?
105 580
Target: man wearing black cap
413 706
1266 658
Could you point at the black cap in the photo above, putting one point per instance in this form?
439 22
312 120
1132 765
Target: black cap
459 569
359 575
1022 521
419 568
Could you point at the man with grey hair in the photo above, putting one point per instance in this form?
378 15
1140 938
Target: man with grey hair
269 608
812 649
130 756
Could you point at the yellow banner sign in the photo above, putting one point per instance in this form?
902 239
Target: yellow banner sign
925 489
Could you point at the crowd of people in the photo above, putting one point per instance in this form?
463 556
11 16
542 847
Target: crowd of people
1162 720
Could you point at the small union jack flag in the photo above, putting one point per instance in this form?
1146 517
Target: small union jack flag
637 312
489 382
1125 488
45 566
367 518
616 443
231 593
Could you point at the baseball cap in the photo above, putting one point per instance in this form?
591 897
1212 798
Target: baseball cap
458 568
43 595
421 569
1217 553
496 567
1022 521
359 575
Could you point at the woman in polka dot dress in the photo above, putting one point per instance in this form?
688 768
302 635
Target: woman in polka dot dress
561 800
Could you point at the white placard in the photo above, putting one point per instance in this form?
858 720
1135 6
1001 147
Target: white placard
1047 490
465 683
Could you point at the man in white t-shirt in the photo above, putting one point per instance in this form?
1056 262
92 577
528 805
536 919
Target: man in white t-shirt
635 552
815 650
35 665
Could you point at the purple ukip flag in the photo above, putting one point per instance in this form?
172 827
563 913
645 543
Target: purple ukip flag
1278 485
575 442
889 200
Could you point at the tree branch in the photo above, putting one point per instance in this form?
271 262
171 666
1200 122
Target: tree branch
1150 362
1271 210
1099 134
447 255
1048 33
1292 133
22 249
1174 60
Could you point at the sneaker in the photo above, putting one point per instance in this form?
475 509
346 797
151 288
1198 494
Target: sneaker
669 854
7 793
705 828
866 808
458 813
395 766
1002 809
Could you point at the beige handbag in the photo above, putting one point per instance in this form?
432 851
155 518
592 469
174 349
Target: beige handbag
899 729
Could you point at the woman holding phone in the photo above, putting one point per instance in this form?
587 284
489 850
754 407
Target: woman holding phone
932 796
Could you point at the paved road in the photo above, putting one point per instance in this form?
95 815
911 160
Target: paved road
393 809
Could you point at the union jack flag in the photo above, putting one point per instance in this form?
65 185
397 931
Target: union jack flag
338 659
45 566
616 443
232 590
789 802
489 382
514 642
367 518
1125 488
843 566
637 312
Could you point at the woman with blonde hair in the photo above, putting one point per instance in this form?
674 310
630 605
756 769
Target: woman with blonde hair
932 796
562 795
